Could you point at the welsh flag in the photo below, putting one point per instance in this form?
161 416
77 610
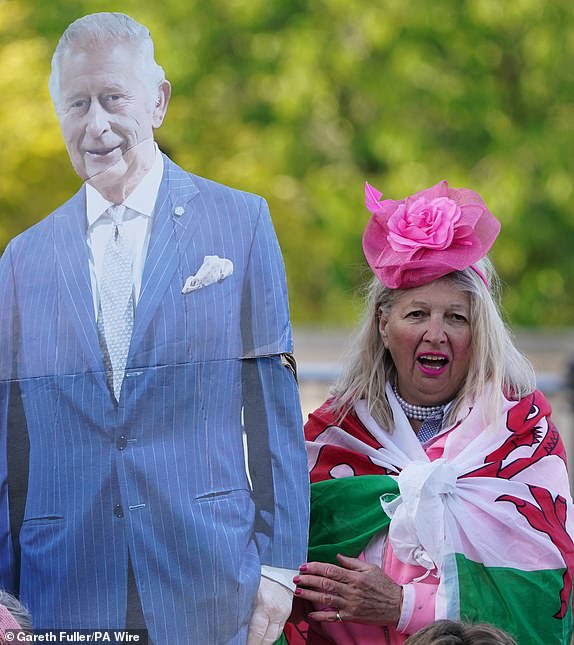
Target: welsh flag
493 513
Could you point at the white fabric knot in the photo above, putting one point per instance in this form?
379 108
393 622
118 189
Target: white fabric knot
417 528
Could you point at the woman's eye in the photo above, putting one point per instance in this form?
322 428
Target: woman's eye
415 314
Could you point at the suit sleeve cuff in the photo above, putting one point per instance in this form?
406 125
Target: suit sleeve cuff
418 608
283 576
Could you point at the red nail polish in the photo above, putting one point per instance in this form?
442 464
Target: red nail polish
297 592
296 580
303 567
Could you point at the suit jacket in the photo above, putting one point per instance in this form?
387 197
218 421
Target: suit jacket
161 474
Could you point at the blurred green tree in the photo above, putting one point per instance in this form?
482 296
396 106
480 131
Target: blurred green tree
303 101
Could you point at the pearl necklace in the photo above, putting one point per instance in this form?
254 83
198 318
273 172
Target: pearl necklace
418 412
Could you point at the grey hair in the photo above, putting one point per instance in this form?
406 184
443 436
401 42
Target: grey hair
97 28
495 361
20 614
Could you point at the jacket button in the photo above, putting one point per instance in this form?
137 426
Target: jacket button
118 510
121 443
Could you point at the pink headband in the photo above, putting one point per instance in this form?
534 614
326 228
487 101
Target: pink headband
413 241
480 275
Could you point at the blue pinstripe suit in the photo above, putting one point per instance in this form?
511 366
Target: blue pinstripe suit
161 475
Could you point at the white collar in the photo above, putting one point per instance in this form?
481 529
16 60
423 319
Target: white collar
141 199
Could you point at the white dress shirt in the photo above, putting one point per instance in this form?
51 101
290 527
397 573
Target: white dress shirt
138 219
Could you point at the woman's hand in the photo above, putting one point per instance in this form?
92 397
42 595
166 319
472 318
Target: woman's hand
355 591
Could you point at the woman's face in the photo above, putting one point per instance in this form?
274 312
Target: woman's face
427 333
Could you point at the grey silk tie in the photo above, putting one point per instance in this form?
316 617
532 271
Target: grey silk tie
116 299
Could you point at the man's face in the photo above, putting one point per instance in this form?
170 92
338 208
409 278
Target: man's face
107 115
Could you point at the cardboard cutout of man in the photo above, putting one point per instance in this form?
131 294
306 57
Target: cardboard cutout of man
145 331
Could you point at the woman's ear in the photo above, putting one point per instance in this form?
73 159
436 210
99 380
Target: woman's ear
383 326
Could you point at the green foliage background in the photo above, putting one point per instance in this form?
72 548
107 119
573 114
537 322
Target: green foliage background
302 101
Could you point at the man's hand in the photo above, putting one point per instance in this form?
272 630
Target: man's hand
272 608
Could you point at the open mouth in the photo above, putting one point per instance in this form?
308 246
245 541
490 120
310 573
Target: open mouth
433 361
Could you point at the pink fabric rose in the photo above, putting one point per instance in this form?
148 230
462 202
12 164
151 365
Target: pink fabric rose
424 223
439 230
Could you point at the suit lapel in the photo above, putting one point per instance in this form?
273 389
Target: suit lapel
175 219
72 257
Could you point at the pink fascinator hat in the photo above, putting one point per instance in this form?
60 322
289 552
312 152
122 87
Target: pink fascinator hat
413 241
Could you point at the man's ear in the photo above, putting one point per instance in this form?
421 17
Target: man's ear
161 103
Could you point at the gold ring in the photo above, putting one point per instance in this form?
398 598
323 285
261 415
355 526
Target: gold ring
339 619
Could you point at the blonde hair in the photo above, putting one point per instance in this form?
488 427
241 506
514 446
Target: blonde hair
495 361
451 632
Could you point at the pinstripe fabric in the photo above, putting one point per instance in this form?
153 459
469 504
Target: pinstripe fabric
170 453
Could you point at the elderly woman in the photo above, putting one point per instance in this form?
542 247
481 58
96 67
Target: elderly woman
439 482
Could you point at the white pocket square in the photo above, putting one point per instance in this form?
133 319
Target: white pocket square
213 269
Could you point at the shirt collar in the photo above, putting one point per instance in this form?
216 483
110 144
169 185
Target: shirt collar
142 198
